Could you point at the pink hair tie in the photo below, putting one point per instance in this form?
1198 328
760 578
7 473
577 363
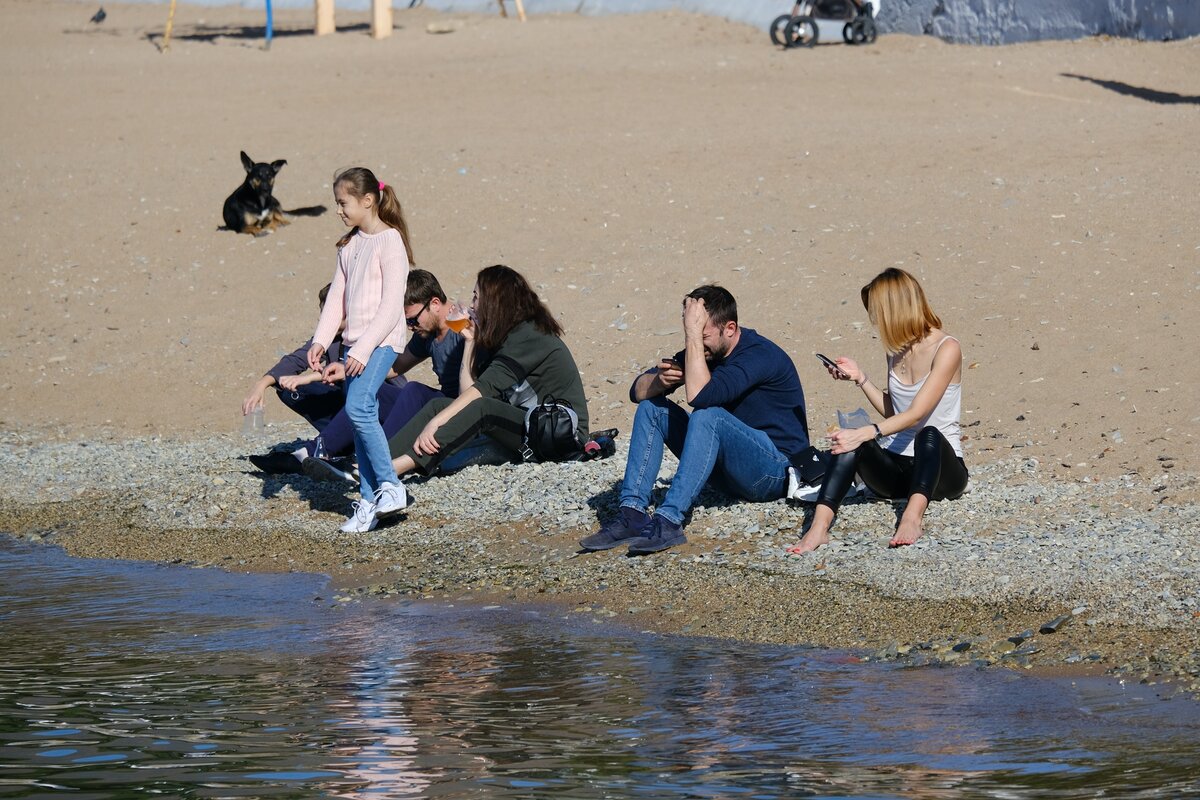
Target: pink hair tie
382 186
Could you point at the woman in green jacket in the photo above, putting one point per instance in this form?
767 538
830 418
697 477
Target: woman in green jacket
521 361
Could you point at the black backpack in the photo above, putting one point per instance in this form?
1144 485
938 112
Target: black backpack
552 432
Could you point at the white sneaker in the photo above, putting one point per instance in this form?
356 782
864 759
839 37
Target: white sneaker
362 520
390 499
797 489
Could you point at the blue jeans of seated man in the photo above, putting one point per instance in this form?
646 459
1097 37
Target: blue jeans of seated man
362 407
709 442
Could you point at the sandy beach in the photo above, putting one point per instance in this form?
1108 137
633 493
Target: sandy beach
1045 194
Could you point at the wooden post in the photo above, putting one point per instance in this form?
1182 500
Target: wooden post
170 24
381 19
324 23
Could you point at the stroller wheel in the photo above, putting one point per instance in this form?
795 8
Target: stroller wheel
869 32
857 33
848 33
778 29
802 32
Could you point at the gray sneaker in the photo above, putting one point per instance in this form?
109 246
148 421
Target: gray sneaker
658 534
320 469
617 531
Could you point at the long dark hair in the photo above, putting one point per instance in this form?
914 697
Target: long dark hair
505 300
360 182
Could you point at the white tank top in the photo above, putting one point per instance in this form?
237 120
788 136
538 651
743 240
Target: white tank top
945 415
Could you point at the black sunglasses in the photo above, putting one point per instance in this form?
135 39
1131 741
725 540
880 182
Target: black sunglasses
415 318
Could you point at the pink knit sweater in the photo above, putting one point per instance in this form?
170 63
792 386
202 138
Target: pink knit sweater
368 292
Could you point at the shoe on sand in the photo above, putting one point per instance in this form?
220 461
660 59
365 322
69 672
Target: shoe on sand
277 462
362 520
323 469
626 526
658 534
390 500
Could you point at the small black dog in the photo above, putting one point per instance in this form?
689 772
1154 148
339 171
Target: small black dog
252 208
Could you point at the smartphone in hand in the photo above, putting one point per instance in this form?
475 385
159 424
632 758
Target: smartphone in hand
829 362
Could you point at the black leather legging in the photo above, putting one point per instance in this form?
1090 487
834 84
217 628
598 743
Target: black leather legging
933 470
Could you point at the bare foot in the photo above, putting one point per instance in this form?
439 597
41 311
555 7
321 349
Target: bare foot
811 541
906 533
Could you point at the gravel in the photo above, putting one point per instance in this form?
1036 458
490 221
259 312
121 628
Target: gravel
1114 563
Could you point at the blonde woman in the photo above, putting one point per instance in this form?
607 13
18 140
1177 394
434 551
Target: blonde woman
916 451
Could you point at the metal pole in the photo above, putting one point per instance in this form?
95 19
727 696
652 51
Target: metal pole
270 24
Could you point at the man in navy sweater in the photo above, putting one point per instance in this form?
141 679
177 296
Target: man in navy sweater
746 427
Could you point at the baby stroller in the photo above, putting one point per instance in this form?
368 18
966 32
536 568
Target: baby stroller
802 28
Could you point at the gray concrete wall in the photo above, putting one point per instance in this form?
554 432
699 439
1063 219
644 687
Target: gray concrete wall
961 21
1007 21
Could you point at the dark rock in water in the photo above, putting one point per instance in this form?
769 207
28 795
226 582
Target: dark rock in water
1053 625
1021 637
961 647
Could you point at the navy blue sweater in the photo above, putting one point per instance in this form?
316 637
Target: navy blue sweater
758 384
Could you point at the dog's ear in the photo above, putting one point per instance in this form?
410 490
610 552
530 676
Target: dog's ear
247 162
278 165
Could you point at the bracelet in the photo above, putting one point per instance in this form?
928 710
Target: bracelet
863 382
878 433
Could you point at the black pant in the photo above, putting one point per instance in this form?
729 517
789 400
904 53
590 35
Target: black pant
500 421
933 471
316 402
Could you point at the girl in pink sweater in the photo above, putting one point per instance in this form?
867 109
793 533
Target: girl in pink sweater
367 292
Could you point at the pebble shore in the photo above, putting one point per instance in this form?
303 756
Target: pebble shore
1023 571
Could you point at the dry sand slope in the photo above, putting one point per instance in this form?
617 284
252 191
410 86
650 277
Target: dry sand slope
1045 194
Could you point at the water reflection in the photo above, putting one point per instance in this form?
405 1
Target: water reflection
119 680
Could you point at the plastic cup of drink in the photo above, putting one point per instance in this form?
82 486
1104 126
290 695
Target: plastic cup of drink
459 319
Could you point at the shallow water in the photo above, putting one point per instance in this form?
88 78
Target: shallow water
121 680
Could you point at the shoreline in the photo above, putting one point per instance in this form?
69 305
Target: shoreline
618 162
978 577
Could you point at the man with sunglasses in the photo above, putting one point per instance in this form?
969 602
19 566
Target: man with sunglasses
426 310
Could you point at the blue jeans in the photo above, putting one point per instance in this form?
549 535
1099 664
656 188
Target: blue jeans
709 442
362 407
